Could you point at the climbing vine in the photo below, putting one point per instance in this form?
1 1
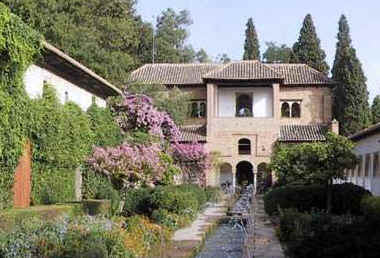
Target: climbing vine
19 47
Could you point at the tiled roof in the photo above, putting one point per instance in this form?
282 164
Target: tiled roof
172 74
302 133
374 129
244 70
300 74
194 74
193 133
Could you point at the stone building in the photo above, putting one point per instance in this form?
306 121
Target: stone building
367 149
242 108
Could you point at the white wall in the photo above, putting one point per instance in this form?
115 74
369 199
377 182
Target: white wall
369 145
34 80
262 101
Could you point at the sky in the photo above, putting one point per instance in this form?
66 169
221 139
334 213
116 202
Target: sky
219 26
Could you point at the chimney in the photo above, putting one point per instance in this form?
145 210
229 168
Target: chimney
334 126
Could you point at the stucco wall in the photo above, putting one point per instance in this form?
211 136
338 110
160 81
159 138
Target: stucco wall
34 80
262 101
315 104
369 145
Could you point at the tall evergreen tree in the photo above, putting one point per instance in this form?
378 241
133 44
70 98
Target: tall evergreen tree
307 49
251 45
351 106
376 110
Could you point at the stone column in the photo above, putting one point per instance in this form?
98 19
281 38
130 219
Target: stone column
276 100
362 172
370 174
233 177
210 108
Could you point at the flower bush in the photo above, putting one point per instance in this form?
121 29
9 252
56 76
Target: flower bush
194 161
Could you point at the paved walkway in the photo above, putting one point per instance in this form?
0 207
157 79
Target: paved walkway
266 242
196 231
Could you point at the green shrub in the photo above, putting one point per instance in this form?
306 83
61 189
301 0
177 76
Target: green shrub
176 200
137 201
51 185
346 198
213 194
85 237
169 220
370 207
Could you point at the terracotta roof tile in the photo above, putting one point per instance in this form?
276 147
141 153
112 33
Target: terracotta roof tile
193 133
172 74
244 70
300 74
302 133
194 74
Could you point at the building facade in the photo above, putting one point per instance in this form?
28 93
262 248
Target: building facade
367 149
71 80
242 109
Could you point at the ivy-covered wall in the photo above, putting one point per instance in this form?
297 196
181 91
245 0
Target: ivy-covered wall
62 136
19 47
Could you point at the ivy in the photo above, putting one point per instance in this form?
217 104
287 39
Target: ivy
19 48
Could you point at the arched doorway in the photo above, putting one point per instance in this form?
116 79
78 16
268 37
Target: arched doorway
244 173
225 175
263 177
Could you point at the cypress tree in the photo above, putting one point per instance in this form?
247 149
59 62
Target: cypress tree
351 106
376 110
251 45
307 49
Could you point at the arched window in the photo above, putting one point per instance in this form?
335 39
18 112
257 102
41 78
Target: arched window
244 147
296 110
244 105
285 109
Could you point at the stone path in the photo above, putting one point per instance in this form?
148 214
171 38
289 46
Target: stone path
196 231
266 243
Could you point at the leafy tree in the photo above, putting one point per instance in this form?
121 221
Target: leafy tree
376 110
277 54
351 107
202 57
223 59
251 45
173 101
307 49
314 163
104 35
171 34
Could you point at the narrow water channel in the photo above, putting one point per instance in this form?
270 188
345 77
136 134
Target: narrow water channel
227 241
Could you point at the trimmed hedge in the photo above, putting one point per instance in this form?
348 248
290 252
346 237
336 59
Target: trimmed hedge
346 198
370 207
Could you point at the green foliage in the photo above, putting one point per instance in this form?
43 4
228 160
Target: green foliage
213 194
19 47
106 131
307 49
61 137
318 162
52 185
202 57
223 59
170 220
351 107
137 201
370 207
173 100
375 109
171 34
346 198
171 169
95 185
251 45
322 235
82 237
277 54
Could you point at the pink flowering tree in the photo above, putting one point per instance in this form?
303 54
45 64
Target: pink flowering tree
194 161
135 164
